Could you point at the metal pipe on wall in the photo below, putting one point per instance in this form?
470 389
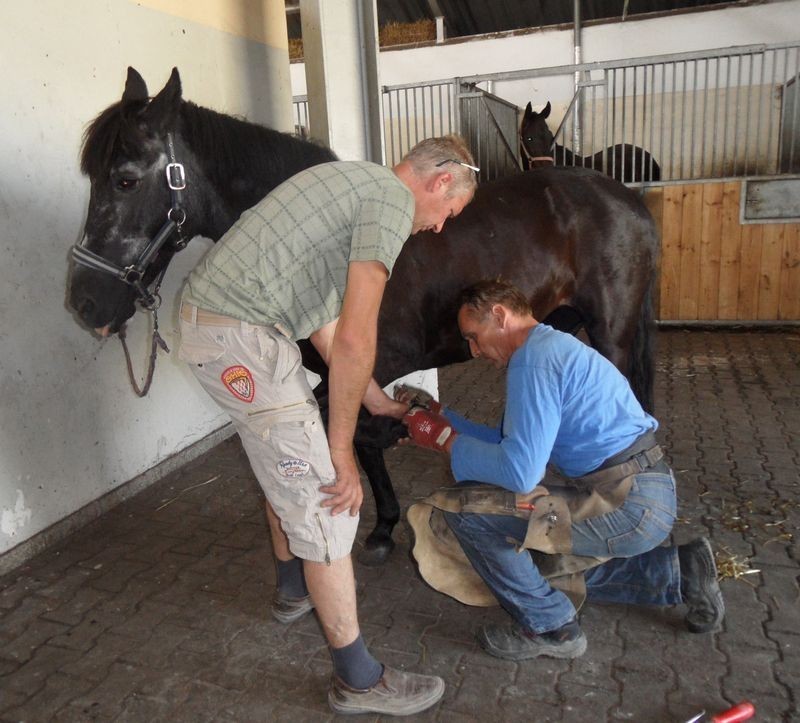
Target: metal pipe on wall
576 41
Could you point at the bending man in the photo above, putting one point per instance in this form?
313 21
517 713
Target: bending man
311 261
568 406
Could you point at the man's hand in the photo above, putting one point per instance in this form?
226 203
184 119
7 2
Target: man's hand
429 430
347 492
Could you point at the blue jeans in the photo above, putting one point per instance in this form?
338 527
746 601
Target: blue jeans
640 572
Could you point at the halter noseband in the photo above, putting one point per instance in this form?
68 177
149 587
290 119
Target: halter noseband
534 159
133 274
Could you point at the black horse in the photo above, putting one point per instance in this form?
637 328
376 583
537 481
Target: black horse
579 245
624 162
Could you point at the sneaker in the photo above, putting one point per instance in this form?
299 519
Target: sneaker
699 587
288 609
396 693
513 642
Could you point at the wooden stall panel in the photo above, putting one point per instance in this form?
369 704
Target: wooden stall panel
789 301
710 251
671 220
713 267
769 285
749 271
690 249
728 295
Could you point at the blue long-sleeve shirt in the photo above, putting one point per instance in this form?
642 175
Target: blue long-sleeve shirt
565 404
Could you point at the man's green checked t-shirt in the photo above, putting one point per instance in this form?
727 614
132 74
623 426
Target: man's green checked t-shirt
284 262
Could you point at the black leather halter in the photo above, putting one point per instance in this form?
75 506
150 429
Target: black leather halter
133 275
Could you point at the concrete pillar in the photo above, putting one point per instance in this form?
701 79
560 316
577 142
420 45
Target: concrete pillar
340 45
276 65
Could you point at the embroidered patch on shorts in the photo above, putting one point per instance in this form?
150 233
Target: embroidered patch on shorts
293 467
239 382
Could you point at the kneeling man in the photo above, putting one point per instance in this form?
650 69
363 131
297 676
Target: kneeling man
569 407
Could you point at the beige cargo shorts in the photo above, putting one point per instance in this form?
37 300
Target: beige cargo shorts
255 374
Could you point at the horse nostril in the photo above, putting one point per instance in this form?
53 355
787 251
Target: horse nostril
85 306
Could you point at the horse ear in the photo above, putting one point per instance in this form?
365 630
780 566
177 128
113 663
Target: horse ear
546 111
135 88
528 110
165 105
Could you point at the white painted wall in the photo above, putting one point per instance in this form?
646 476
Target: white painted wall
70 428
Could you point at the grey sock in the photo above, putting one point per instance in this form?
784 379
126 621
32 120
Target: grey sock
355 665
291 581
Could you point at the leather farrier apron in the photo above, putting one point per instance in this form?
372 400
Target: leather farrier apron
550 511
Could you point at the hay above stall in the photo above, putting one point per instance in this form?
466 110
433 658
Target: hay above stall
391 34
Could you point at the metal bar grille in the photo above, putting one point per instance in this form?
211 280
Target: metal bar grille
711 114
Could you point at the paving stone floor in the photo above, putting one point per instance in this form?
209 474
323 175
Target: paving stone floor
157 611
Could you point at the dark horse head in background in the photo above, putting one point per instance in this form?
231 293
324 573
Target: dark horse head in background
137 154
624 162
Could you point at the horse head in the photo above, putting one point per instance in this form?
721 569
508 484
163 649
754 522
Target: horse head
148 197
536 137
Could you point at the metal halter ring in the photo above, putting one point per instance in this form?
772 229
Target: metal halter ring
150 303
175 210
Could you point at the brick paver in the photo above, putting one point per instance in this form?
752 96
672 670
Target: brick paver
158 610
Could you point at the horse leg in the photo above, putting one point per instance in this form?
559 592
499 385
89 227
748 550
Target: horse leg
379 544
566 319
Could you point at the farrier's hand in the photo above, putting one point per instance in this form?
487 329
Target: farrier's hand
347 492
429 430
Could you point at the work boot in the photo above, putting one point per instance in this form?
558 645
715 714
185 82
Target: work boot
513 642
288 609
396 693
699 587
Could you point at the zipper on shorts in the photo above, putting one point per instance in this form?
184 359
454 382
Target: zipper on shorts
272 410
324 537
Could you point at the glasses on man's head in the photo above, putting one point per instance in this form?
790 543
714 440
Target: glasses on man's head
460 163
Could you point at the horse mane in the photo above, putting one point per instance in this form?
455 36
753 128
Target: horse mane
232 148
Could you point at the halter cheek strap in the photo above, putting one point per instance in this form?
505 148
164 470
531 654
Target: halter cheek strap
133 275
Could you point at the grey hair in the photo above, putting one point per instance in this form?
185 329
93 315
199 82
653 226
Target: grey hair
424 156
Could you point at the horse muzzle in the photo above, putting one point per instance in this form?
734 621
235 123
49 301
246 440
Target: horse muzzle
100 302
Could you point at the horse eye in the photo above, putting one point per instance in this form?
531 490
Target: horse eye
127 184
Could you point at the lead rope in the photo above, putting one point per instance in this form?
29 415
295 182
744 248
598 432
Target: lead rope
156 341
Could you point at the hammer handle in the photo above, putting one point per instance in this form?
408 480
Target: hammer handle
741 712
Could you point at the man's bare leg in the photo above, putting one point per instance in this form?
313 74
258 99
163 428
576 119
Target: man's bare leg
333 590
280 543
361 684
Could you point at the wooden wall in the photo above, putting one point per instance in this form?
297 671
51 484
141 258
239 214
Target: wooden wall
713 267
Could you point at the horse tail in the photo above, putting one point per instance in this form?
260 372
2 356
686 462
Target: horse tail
642 367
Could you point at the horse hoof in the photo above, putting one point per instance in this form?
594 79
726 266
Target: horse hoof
375 554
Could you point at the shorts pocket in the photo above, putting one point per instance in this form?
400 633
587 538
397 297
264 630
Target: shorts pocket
279 357
198 347
292 444
298 440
